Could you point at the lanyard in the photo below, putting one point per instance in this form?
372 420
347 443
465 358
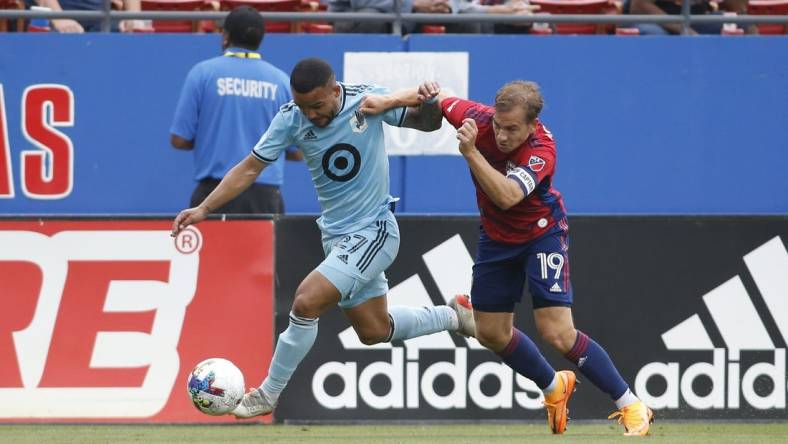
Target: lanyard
242 55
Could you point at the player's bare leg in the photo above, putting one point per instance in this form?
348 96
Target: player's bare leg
495 331
371 320
556 327
314 296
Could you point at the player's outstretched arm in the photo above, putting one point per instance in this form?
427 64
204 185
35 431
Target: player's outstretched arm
234 183
423 105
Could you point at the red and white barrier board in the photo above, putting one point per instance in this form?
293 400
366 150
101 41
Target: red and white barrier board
102 321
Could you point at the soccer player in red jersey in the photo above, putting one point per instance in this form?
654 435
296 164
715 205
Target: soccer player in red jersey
523 238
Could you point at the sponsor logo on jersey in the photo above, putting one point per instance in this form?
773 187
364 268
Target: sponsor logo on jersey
536 163
310 135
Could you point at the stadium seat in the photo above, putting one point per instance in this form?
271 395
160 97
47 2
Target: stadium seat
576 7
769 7
178 5
315 27
12 4
269 6
433 29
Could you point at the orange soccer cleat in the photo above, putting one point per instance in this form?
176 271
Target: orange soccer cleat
636 418
556 402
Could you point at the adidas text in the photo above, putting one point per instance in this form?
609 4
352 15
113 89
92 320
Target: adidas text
725 376
409 384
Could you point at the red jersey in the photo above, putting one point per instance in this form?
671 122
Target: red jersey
531 166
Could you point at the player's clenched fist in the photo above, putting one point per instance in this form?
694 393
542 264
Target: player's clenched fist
188 217
466 134
428 90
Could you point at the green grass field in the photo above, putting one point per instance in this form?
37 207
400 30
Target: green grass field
695 432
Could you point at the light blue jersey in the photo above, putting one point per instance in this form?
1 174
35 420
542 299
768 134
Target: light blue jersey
347 158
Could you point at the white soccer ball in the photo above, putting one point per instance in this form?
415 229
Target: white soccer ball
216 386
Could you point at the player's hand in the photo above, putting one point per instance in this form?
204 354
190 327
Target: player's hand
188 217
466 134
373 104
428 90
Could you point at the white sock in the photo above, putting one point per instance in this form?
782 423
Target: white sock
550 388
627 399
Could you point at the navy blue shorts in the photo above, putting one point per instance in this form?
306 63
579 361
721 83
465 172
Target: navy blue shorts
501 270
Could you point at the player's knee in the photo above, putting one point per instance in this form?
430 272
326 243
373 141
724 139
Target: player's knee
304 306
492 338
559 337
372 336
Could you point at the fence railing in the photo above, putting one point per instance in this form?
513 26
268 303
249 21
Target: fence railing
397 19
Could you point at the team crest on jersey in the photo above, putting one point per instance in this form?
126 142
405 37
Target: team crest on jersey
358 122
536 163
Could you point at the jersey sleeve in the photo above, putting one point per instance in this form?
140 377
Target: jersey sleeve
532 168
276 138
184 122
455 109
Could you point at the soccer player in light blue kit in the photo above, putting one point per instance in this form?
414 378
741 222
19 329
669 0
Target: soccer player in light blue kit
344 150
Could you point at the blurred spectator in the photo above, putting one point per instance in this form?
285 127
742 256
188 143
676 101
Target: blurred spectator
91 25
673 7
514 7
226 104
376 6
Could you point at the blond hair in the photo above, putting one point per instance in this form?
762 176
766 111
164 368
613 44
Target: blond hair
523 94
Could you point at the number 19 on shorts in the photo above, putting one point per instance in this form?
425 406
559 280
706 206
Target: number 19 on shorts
548 262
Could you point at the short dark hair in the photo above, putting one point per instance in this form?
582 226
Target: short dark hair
523 94
244 27
309 74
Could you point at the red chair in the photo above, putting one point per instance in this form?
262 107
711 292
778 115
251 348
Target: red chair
315 27
12 4
269 6
177 5
433 29
576 7
769 7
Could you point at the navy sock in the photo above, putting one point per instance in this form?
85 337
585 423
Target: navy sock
523 357
594 363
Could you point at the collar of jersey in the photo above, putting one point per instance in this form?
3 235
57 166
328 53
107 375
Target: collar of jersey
241 53
342 104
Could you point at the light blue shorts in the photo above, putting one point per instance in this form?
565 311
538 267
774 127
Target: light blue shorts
355 262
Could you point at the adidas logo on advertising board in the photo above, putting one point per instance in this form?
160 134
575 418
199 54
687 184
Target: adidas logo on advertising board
411 377
742 329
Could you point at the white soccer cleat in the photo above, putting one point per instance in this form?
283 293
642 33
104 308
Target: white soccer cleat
254 403
461 304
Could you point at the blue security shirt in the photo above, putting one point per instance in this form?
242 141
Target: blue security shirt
226 103
347 158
